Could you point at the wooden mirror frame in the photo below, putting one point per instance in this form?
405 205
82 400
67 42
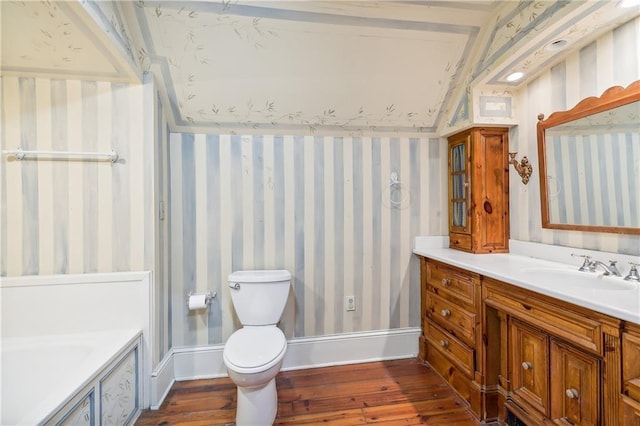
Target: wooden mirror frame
611 98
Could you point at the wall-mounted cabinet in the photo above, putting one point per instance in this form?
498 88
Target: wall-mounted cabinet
479 190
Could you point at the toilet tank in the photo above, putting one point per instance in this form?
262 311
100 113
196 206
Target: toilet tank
259 297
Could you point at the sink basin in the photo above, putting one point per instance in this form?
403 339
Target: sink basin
560 277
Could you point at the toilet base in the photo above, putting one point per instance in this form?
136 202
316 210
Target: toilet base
257 406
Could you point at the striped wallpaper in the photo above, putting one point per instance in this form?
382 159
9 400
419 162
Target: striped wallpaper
612 60
319 207
162 270
74 216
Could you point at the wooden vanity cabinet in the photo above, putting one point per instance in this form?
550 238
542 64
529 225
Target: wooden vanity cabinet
479 190
451 331
560 363
521 357
630 408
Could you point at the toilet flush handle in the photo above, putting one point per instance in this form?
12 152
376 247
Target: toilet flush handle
235 286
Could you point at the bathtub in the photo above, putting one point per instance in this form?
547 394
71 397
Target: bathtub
75 349
41 376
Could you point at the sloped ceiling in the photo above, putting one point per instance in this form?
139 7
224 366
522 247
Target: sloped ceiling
336 66
62 40
315 65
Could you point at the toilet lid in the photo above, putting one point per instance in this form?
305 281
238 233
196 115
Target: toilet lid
252 347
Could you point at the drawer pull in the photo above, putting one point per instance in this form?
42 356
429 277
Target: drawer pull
572 393
446 282
444 343
445 313
527 365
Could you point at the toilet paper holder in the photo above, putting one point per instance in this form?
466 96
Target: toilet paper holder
209 296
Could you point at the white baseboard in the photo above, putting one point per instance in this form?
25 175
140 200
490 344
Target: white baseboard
311 352
161 381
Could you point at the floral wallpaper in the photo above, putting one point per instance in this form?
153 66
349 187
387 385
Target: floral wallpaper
118 392
54 39
235 67
573 23
518 41
107 15
82 414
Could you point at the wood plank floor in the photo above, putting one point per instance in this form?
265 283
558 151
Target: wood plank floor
399 392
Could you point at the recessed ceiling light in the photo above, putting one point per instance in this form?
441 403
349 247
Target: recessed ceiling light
629 3
556 45
515 76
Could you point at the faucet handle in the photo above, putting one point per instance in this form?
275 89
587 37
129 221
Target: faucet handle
633 273
586 265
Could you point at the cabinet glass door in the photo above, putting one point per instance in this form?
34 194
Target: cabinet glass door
458 176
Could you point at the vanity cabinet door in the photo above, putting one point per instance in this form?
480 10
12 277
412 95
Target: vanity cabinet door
631 365
529 366
574 386
631 375
630 412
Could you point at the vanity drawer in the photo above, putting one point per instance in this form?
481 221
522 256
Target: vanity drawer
452 281
457 352
456 320
560 320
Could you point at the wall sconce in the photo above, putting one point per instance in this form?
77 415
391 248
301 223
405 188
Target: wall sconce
523 168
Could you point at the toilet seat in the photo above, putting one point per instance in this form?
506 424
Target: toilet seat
254 349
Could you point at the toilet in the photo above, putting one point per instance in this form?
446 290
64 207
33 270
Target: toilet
253 354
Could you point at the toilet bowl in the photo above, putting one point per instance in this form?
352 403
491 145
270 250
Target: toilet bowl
254 354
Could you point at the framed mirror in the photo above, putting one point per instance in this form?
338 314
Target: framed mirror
590 164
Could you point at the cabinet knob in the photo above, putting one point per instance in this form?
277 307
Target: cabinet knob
445 312
572 393
527 365
444 343
446 282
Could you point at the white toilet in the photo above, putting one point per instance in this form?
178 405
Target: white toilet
253 355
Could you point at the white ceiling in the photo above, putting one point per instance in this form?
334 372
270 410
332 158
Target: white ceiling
305 66
58 40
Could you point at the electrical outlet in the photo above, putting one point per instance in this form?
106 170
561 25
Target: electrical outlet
350 303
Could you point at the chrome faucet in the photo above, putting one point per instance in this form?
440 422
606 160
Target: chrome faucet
590 265
610 269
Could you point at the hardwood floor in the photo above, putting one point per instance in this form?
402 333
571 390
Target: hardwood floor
399 392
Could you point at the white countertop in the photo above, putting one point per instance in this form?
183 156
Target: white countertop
512 268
